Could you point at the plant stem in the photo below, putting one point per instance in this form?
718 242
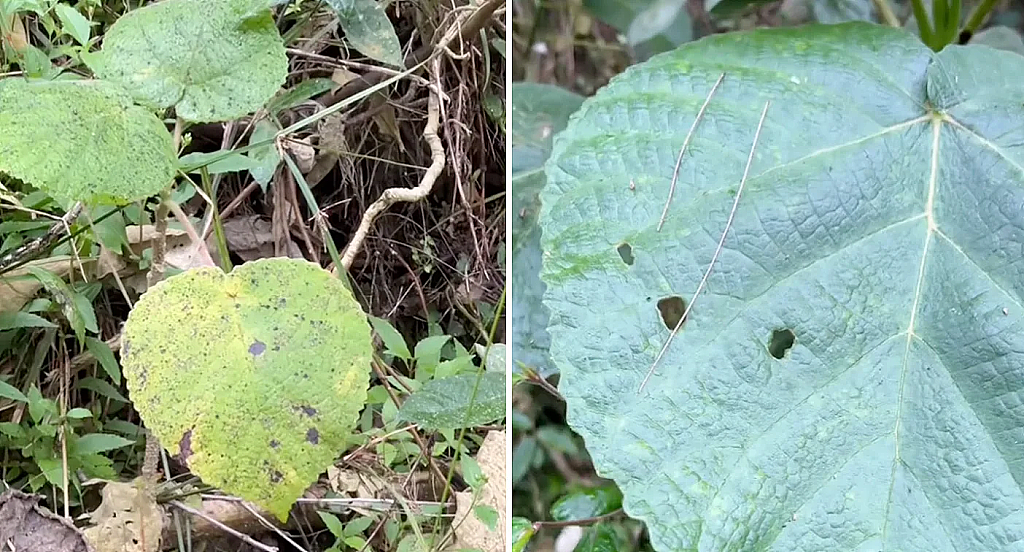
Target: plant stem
391 196
953 23
887 14
923 25
218 225
158 266
21 255
155 274
978 16
538 525
469 407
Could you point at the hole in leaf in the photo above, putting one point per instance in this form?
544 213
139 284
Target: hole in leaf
313 436
671 309
781 342
625 253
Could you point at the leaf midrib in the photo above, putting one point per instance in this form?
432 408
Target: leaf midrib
936 119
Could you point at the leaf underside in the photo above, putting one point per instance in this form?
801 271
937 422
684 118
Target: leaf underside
255 378
212 60
82 141
881 226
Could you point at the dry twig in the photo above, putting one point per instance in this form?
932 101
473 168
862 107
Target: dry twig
397 195
718 250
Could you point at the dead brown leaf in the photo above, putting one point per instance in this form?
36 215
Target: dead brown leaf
251 237
18 286
470 532
128 519
25 525
303 153
17 37
343 76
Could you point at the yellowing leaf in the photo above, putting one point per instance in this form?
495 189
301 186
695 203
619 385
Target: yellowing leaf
253 378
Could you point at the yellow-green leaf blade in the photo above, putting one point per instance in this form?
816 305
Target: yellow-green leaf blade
254 378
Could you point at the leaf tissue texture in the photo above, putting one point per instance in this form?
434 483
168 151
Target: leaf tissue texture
255 378
881 226
82 141
212 60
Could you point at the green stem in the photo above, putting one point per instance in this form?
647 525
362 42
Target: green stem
318 216
923 25
218 226
954 23
469 407
978 16
939 23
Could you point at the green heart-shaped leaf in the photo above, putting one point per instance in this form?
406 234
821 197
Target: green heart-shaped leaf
212 60
852 375
254 378
82 141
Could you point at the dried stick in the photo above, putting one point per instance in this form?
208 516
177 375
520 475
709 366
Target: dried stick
395 195
718 250
682 150
246 538
197 242
34 248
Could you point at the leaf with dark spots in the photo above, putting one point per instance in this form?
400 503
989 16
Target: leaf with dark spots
313 436
263 405
307 410
257 348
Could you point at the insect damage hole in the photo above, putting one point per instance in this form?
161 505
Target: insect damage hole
625 253
780 342
671 309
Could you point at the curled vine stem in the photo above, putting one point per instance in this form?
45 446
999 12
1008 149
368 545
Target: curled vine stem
399 195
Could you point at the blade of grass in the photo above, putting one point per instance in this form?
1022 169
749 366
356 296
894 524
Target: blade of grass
314 208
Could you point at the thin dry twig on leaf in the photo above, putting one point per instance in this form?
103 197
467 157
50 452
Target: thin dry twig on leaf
682 150
718 250
246 538
395 195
